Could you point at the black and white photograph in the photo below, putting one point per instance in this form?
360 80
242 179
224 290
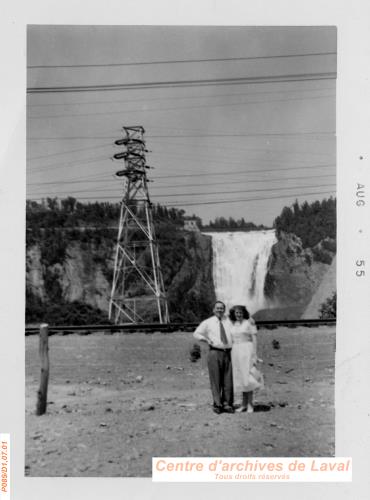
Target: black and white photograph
184 222
181 244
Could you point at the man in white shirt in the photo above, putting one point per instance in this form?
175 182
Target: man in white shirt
216 332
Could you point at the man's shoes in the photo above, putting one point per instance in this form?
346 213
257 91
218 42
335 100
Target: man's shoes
241 409
223 409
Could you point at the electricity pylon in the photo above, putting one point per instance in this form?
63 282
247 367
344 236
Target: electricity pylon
137 289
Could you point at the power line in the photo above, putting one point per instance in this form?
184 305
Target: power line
171 155
211 202
246 200
185 83
247 181
163 98
162 195
180 61
241 191
102 176
225 160
266 149
43 168
274 134
211 174
116 131
182 129
231 148
176 108
77 180
178 136
104 158
70 151
69 138
87 181
194 146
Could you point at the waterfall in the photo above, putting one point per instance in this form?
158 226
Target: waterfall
240 266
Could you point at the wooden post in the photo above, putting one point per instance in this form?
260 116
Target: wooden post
44 358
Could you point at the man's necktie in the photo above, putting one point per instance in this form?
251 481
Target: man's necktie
223 333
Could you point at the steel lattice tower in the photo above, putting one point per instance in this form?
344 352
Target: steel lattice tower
137 287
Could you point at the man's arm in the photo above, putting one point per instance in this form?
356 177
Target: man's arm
201 333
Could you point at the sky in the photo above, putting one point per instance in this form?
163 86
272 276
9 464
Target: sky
239 121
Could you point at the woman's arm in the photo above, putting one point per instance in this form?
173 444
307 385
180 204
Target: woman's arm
254 355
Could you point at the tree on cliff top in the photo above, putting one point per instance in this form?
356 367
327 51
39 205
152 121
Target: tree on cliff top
312 223
230 224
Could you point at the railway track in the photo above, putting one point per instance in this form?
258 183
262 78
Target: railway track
166 328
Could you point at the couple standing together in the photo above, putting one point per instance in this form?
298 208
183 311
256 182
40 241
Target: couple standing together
232 357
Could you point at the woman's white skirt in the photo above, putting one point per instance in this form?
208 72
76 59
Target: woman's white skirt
246 377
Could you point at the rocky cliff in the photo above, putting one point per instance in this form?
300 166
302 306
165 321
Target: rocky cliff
295 274
80 276
85 273
191 292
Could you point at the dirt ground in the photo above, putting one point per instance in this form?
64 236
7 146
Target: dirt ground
116 400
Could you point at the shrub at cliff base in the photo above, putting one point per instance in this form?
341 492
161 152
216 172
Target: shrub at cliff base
328 309
62 313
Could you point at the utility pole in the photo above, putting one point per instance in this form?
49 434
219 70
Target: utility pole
137 289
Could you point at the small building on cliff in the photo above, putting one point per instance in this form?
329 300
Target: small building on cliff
191 225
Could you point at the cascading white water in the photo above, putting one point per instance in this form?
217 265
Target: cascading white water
240 266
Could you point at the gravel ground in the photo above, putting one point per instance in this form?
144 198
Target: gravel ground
115 401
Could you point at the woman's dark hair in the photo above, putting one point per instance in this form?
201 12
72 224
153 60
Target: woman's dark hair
242 308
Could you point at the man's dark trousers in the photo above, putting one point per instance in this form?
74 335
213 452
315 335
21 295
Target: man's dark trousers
220 376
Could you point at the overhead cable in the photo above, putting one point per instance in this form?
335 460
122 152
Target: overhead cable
180 61
185 83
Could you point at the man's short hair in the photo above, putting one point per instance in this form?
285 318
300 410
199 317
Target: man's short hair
219 302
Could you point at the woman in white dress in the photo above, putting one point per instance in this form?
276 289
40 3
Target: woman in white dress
246 377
